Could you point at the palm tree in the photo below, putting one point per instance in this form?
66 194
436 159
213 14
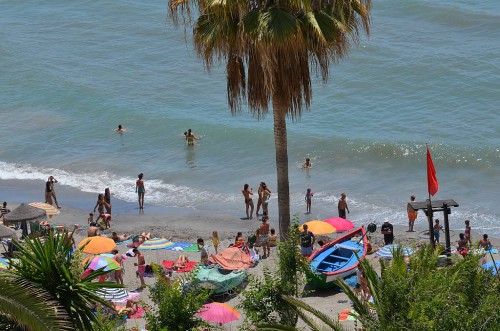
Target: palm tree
27 307
52 267
270 48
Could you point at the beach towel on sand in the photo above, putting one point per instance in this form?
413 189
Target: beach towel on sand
232 258
138 314
180 246
167 264
345 315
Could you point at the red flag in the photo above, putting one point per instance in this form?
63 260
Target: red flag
432 182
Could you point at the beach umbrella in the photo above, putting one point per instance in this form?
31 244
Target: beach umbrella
49 209
154 243
491 267
116 294
386 251
340 224
6 232
318 227
98 262
97 245
218 312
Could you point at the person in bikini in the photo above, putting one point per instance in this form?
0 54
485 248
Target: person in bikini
100 204
119 238
49 191
140 190
265 195
141 266
191 137
119 272
107 200
248 200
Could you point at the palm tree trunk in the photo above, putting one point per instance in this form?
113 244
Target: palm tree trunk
280 141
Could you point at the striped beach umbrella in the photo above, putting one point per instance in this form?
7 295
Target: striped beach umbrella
4 263
155 243
116 294
387 251
99 262
49 209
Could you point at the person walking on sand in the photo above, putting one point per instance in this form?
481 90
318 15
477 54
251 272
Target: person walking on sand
141 266
307 240
308 199
412 214
342 206
248 200
49 191
140 190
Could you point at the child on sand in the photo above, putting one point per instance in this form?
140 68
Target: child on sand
90 220
437 228
308 199
273 238
215 240
203 250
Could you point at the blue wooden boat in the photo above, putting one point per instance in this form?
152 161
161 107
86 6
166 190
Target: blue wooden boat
337 259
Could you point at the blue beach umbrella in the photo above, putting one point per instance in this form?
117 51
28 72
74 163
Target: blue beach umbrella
386 251
491 267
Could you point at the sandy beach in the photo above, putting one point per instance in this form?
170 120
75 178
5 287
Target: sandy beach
188 225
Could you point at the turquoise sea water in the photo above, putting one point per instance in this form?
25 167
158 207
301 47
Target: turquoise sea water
429 73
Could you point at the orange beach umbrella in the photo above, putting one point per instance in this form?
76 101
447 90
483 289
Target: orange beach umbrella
97 245
318 227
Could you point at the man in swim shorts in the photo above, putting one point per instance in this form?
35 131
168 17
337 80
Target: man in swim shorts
264 236
140 190
412 214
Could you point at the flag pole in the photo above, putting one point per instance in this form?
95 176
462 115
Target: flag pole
429 203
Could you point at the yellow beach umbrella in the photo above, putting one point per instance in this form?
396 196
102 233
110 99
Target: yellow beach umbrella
318 227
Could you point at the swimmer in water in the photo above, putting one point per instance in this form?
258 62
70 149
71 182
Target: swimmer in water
120 129
307 164
191 137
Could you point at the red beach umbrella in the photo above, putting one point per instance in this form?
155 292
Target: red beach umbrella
340 224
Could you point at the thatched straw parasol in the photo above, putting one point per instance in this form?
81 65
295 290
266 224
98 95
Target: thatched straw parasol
24 213
6 232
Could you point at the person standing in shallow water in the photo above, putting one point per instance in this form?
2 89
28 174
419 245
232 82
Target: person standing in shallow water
342 206
248 200
140 190
412 214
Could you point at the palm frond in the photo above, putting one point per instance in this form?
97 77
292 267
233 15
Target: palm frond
275 327
29 306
